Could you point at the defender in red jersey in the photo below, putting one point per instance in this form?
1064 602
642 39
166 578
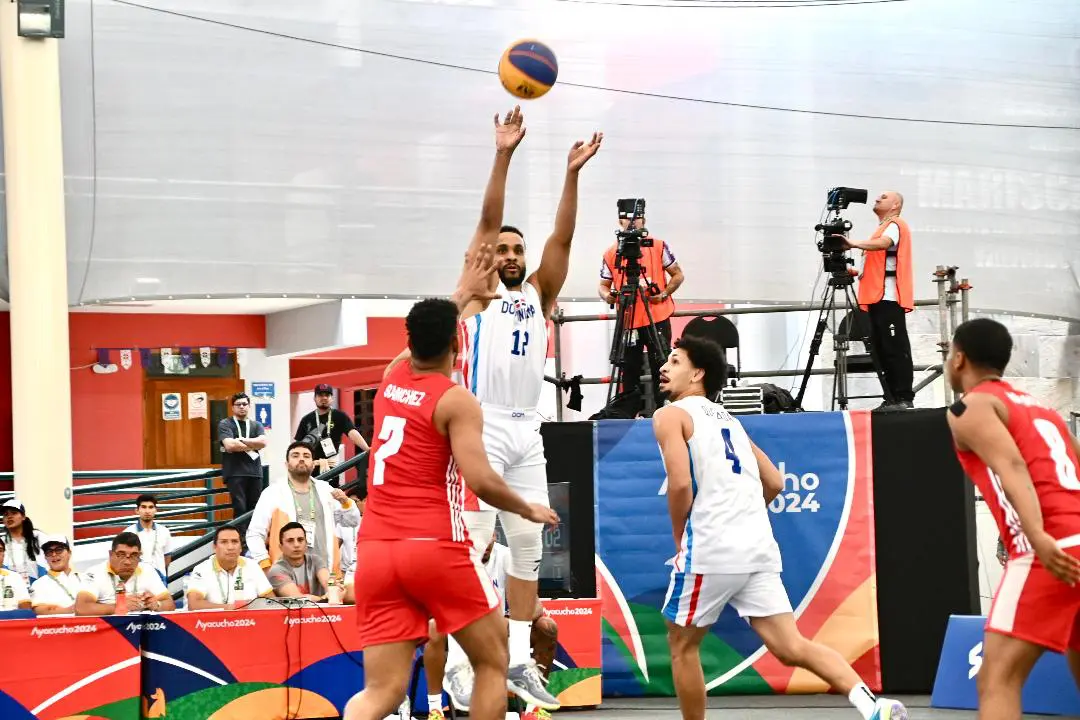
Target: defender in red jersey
1024 461
413 536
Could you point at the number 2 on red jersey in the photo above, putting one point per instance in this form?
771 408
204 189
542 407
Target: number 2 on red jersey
1059 453
392 433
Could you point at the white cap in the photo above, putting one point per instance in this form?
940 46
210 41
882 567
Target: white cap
14 504
55 539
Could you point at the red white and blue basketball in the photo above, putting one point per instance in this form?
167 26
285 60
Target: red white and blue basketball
528 69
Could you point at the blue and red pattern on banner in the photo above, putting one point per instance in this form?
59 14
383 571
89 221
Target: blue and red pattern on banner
823 522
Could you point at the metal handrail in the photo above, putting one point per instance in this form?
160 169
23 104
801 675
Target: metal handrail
113 522
91 474
162 480
161 497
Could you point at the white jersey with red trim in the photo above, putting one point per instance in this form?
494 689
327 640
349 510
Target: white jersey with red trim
504 349
728 530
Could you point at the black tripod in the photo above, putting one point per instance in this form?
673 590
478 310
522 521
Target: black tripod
840 282
628 264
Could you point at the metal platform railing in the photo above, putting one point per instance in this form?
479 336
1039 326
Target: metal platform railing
952 303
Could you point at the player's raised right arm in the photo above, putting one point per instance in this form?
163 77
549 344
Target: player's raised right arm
464 423
508 135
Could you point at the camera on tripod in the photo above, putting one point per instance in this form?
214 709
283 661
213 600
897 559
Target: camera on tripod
629 243
833 241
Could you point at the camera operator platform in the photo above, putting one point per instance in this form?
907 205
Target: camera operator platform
833 246
638 276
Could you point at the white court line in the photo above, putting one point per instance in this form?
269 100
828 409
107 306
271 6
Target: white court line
86 681
184 666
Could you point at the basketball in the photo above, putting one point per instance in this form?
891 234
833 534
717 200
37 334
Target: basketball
528 69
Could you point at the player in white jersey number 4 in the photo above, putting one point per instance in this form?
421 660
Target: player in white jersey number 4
503 352
718 485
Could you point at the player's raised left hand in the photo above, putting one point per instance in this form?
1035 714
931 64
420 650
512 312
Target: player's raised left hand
1061 564
582 151
541 514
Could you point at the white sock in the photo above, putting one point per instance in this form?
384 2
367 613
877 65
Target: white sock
863 700
455 654
434 702
520 645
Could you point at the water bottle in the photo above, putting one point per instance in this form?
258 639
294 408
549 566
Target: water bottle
333 591
121 600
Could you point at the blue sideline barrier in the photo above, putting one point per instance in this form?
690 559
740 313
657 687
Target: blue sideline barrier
1050 689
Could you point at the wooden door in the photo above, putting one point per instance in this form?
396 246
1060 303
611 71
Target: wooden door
184 442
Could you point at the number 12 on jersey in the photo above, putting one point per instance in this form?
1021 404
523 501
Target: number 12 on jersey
521 341
392 433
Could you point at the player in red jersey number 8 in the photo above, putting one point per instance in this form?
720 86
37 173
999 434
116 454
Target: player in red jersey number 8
1023 459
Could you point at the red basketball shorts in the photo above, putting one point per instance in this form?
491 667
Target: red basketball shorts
400 584
1033 605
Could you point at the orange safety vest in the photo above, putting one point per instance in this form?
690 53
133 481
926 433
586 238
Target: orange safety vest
872 282
652 270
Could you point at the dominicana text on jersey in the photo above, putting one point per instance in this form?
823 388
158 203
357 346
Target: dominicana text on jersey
504 349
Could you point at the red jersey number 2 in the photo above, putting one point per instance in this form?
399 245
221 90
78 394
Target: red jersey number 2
392 434
1059 453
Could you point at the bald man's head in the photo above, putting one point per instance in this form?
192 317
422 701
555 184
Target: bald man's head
889 203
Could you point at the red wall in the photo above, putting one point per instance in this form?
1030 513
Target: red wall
107 410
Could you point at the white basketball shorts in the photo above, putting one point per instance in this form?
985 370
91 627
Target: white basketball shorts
696 600
516 451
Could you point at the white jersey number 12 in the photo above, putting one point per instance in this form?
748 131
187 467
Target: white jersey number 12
392 433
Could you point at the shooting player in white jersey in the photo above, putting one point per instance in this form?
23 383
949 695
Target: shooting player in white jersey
503 352
718 486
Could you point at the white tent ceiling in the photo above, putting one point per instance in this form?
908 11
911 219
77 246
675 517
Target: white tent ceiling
223 155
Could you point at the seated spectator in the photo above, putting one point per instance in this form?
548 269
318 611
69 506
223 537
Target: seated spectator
13 592
143 587
318 508
455 664
226 580
54 593
299 572
23 542
154 537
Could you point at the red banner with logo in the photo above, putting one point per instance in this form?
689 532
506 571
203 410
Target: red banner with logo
233 665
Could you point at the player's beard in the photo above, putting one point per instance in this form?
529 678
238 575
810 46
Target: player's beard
513 279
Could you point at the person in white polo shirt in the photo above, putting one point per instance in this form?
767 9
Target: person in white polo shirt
154 536
226 581
13 592
54 593
143 588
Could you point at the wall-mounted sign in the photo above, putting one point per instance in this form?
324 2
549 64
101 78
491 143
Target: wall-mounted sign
170 406
262 390
196 405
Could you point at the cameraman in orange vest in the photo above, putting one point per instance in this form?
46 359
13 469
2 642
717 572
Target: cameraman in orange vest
661 276
886 294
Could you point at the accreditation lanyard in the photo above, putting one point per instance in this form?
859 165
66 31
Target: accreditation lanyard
154 531
311 503
329 422
247 428
63 587
228 586
134 586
